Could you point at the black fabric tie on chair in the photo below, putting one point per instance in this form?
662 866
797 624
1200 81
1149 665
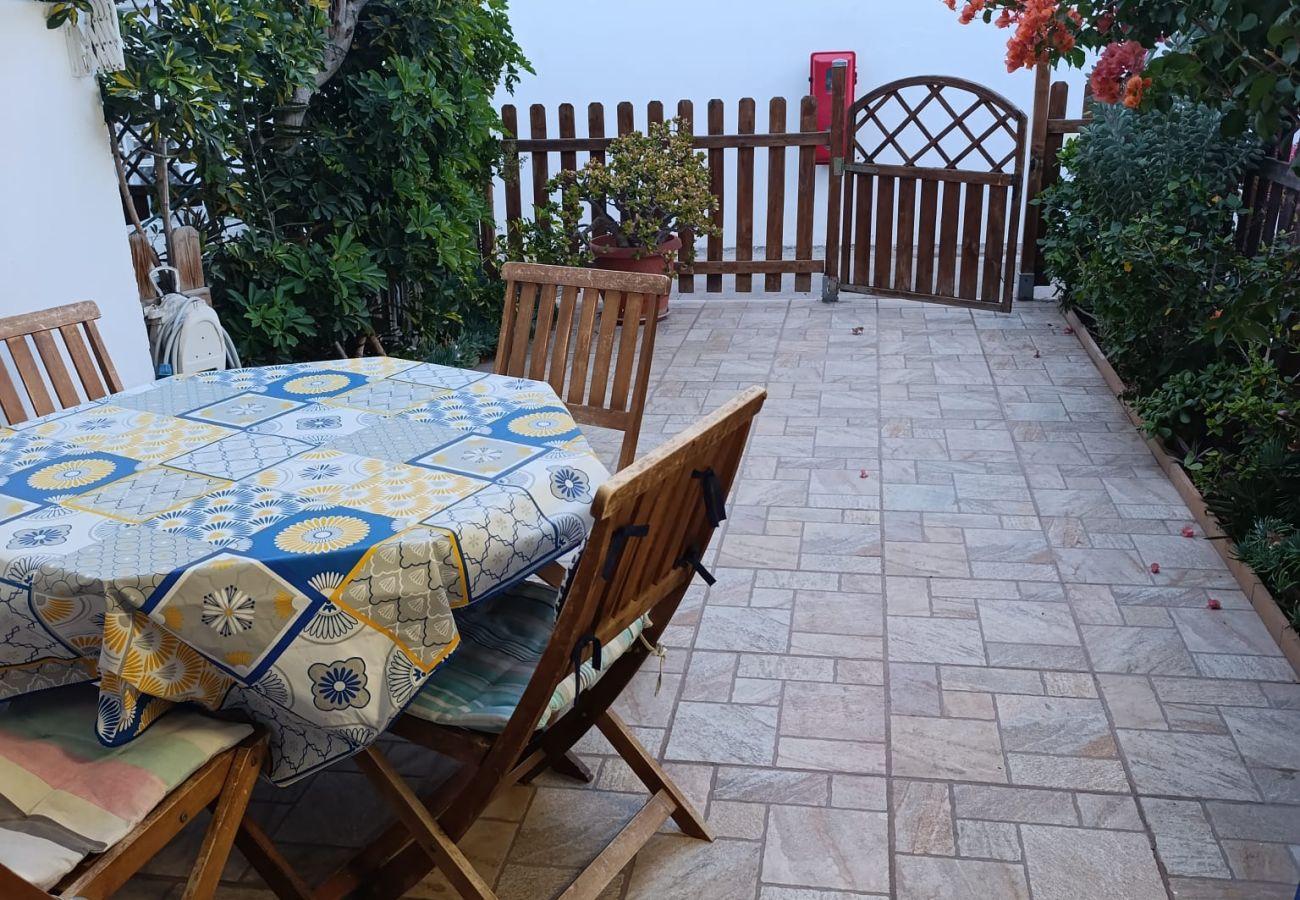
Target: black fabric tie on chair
617 541
577 662
715 498
692 558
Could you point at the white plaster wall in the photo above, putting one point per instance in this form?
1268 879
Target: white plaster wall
62 236
595 50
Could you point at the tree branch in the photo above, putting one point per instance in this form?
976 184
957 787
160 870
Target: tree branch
344 15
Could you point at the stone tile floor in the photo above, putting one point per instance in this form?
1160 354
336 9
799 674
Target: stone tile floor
936 664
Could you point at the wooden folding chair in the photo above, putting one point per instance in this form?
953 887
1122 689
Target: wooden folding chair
549 332
653 523
75 325
50 726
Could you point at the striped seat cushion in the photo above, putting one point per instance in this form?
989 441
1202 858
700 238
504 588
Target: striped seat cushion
63 794
502 640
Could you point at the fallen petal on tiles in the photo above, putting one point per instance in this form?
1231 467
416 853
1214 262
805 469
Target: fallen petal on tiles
1069 329
1213 604
1155 568
862 473
857 329
1189 531
1037 355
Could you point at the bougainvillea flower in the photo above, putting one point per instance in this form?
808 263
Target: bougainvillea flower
1119 64
1134 90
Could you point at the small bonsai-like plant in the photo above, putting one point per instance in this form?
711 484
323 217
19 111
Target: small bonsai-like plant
651 186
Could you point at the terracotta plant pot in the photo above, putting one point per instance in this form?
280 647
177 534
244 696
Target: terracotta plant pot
624 259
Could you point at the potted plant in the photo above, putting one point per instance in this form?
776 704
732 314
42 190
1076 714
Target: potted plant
651 186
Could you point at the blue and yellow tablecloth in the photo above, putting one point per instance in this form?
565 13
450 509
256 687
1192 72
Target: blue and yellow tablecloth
286 543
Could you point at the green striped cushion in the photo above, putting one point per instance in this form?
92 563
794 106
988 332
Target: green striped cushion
502 640
63 794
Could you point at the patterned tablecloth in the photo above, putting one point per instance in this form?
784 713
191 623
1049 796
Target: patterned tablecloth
286 543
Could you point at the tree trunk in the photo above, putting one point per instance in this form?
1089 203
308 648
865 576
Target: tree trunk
338 40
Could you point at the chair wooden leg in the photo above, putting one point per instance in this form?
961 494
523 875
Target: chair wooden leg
652 774
227 815
275 870
619 852
569 764
424 827
566 763
553 574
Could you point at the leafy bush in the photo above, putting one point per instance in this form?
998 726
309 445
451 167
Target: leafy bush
1140 240
1139 236
1126 163
340 173
1221 415
1272 549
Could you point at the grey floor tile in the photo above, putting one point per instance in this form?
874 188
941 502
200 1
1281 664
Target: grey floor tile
843 849
1062 864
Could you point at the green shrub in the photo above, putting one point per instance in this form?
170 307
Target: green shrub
1140 239
1272 549
334 211
1221 408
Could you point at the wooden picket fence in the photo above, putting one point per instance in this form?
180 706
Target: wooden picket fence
1271 193
724 151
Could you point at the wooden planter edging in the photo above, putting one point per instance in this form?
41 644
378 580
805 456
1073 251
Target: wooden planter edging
1274 619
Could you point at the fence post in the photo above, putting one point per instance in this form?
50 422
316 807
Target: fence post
1029 262
510 178
831 280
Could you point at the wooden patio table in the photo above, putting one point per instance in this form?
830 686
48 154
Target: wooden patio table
285 544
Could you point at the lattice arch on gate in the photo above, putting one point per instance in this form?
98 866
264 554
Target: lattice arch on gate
937 122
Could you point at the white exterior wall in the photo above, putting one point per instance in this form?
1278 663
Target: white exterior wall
62 237
595 51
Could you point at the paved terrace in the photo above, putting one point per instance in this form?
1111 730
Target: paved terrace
936 664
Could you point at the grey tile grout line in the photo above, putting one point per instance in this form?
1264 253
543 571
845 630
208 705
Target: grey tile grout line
630 869
1087 655
776 744
891 826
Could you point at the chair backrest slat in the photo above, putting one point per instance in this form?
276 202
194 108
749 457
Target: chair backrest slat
582 349
542 333
623 368
523 323
97 347
506 336
86 371
612 305
30 373
10 403
568 302
590 334
79 338
55 369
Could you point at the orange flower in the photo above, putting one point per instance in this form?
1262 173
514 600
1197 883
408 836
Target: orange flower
1134 89
1119 63
970 11
1216 314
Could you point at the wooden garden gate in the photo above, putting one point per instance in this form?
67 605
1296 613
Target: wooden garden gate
932 189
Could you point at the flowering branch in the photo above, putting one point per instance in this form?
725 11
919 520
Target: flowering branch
1243 55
